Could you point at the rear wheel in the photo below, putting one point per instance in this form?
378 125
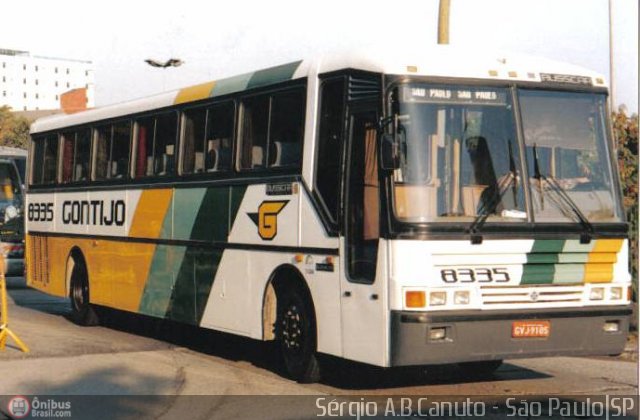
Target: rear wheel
82 312
296 334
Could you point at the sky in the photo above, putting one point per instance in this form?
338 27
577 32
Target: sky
217 39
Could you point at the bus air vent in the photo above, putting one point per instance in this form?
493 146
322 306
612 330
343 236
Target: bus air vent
364 88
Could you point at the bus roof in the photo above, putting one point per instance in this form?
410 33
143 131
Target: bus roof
436 61
12 152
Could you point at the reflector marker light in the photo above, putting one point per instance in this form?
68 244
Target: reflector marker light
415 299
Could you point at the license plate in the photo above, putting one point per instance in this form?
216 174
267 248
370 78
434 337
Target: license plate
530 329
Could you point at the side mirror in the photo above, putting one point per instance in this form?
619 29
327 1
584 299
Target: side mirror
389 156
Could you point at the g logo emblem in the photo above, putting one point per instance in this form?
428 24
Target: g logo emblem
267 218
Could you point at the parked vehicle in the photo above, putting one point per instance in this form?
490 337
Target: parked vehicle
11 217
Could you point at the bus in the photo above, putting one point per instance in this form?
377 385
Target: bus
11 216
13 162
19 157
435 206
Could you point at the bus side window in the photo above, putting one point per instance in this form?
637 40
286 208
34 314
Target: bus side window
164 144
286 129
103 149
193 139
82 156
156 145
50 166
272 130
120 151
330 141
255 123
219 137
145 129
37 162
68 150
113 144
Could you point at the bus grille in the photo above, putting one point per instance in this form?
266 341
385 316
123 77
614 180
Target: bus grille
504 297
39 259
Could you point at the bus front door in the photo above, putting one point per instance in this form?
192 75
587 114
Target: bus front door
362 293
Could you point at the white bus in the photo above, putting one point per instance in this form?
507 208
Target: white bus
437 206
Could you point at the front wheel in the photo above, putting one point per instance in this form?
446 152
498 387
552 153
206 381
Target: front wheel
296 334
82 312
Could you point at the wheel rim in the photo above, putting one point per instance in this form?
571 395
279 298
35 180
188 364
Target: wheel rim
292 329
78 294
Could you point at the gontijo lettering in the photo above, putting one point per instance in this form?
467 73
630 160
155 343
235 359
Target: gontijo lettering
94 212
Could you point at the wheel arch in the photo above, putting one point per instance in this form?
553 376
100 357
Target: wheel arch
284 276
75 256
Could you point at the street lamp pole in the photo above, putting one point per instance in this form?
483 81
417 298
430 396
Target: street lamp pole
611 69
443 22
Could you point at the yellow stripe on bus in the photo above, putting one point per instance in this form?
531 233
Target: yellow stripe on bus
117 284
599 266
598 273
150 214
194 93
607 245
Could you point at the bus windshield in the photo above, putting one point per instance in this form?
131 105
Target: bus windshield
10 189
459 156
566 142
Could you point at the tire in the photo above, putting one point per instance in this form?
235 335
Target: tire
82 311
296 336
481 369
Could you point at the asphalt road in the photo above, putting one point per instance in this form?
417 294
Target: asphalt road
132 356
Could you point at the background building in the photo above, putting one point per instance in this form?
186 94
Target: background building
32 83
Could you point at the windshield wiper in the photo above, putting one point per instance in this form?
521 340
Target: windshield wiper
588 231
487 208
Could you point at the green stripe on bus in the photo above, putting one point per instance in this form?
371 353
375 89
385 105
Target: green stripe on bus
193 285
231 85
166 262
557 262
547 245
186 204
273 75
212 220
542 258
235 197
537 274
541 262
180 278
167 222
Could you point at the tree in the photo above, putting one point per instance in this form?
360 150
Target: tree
14 130
625 130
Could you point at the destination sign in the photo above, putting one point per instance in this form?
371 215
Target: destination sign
565 79
439 95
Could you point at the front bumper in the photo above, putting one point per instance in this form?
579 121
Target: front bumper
486 335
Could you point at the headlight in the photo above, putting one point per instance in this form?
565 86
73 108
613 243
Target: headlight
437 298
616 293
461 297
10 212
597 293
